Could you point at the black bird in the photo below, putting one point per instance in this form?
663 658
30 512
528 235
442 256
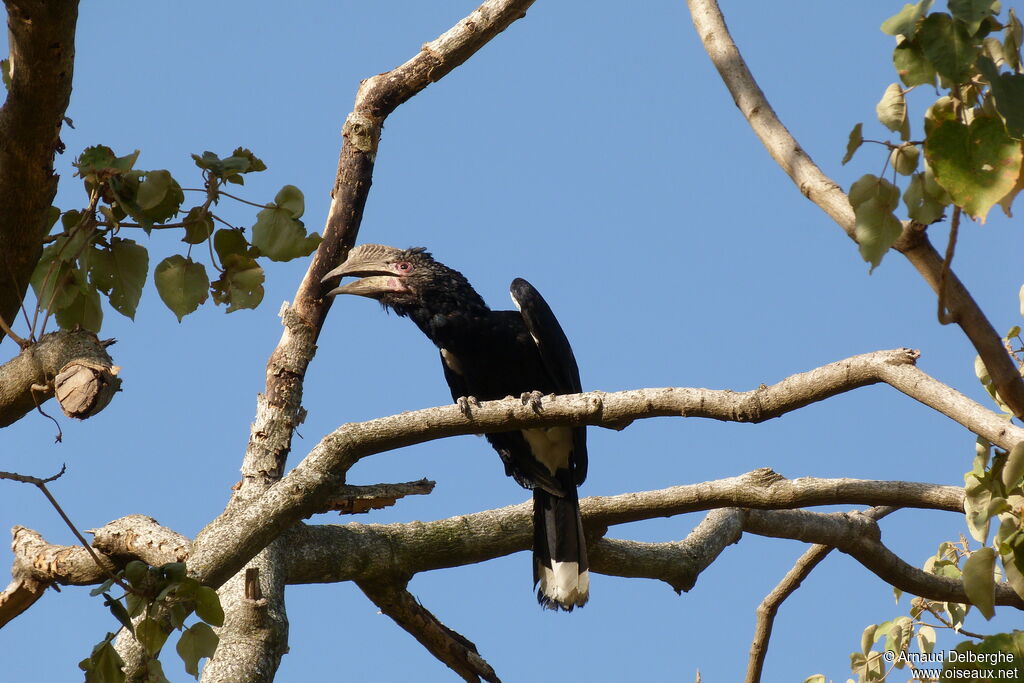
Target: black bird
489 355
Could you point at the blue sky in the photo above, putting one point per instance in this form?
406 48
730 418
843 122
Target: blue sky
593 150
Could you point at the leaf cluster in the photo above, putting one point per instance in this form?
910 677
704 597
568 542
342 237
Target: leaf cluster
150 592
88 258
973 146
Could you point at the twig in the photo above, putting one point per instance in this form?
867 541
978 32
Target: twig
769 607
23 343
41 484
946 317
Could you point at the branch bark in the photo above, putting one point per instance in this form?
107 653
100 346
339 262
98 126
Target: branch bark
454 650
240 533
769 607
823 191
73 365
279 408
42 54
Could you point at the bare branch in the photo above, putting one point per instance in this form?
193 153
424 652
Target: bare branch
329 553
677 563
42 54
240 533
352 500
858 536
769 607
73 364
37 564
823 191
138 537
454 650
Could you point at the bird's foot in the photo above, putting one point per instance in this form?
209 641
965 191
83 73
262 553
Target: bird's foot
466 404
532 399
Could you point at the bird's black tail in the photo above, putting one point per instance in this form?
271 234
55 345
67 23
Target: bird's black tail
560 568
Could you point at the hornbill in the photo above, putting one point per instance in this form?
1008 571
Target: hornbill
489 355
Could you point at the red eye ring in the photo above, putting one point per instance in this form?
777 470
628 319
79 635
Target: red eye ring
403 266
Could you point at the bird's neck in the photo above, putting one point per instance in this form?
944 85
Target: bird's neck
447 316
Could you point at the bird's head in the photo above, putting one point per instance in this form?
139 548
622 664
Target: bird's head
401 279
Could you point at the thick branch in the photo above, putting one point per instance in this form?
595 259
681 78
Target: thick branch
823 191
37 565
328 553
241 533
42 54
769 607
279 408
454 650
75 365
677 563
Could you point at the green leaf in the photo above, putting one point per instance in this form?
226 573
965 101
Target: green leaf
977 504
177 614
941 110
136 572
1013 470
228 241
281 237
998 655
84 309
921 207
904 158
196 642
150 635
118 610
911 64
182 284
208 606
230 168
867 638
1011 41
291 200
198 225
816 678
971 12
925 639
892 111
158 197
854 143
240 285
100 160
5 72
948 46
977 164
905 21
120 271
175 572
873 200
104 664
1008 95
979 580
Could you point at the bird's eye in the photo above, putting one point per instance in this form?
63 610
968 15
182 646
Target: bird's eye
403 266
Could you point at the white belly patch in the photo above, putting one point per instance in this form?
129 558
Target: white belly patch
550 445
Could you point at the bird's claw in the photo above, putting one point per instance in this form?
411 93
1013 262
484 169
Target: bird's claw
532 399
467 403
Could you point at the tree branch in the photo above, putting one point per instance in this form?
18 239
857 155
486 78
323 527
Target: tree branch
823 191
279 408
75 365
42 54
453 650
769 607
354 500
243 532
858 536
354 552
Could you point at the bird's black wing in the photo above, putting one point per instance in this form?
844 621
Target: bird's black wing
557 356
